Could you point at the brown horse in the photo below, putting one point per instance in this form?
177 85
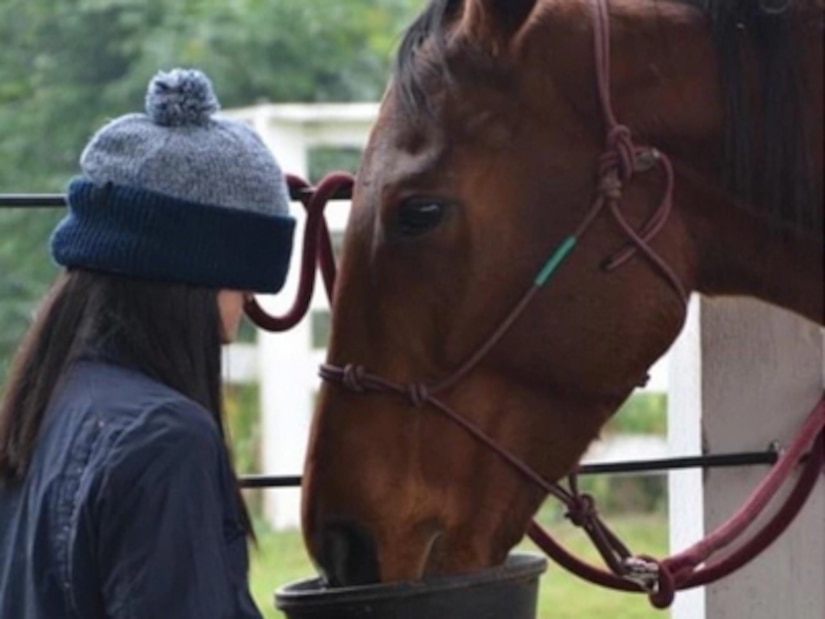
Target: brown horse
483 159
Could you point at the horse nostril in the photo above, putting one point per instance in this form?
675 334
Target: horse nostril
348 555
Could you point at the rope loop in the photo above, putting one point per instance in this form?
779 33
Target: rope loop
665 591
353 378
620 143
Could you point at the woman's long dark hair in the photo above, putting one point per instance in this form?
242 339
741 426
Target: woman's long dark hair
170 332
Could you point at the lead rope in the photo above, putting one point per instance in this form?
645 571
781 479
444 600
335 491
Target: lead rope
662 578
316 251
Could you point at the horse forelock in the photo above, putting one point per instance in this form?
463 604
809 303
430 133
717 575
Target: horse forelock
787 187
413 66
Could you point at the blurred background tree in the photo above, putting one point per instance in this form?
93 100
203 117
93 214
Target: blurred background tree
69 65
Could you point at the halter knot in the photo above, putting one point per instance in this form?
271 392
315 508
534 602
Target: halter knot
419 394
353 377
620 145
582 510
610 186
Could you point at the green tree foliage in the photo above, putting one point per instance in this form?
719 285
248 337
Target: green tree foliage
642 413
66 66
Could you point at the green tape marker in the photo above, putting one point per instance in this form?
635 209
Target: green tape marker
555 260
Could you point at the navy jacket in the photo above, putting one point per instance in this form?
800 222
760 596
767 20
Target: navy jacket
127 511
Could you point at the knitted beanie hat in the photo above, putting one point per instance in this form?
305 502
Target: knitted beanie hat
177 195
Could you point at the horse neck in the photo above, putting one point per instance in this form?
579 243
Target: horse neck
739 252
738 249
665 86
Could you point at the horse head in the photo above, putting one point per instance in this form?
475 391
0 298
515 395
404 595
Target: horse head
491 149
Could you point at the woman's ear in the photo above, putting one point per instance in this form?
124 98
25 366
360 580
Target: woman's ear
230 309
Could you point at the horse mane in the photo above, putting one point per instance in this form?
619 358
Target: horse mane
785 188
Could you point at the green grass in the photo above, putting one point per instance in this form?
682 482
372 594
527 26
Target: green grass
281 558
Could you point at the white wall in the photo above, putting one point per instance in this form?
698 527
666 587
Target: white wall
745 375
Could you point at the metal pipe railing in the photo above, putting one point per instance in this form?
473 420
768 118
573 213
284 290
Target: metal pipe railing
752 458
58 200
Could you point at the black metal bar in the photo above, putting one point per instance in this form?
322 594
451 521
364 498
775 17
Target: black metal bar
32 200
55 200
269 481
669 464
611 468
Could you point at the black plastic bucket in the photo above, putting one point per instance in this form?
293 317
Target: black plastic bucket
509 591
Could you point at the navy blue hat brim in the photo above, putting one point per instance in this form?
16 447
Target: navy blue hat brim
145 234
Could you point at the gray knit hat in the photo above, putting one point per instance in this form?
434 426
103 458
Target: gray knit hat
175 194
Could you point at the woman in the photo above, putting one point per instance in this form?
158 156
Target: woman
117 495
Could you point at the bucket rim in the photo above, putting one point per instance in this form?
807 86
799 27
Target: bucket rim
520 566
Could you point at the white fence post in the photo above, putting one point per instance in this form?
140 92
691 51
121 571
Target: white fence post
684 434
758 373
288 364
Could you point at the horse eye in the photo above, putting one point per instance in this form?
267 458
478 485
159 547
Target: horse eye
419 215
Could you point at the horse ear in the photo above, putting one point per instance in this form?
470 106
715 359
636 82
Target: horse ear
496 22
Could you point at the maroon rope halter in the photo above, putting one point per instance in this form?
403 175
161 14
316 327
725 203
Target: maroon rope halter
639 573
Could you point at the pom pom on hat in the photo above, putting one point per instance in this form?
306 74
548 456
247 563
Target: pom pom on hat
181 97
180 149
